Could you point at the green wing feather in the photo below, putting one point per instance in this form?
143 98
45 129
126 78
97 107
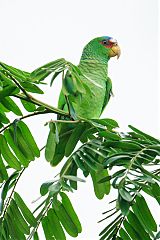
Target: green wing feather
108 93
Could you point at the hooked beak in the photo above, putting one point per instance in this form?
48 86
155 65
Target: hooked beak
115 49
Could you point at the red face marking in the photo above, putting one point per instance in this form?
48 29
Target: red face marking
107 44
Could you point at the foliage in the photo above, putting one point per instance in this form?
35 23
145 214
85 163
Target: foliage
127 162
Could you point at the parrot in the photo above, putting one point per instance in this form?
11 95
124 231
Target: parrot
94 68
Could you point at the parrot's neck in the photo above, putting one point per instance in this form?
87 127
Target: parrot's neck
90 53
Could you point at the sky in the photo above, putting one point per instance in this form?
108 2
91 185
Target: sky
36 32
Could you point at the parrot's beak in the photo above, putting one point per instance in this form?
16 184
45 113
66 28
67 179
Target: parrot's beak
115 49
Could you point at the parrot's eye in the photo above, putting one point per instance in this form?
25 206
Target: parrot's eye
105 42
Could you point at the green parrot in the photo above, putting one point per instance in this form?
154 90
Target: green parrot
94 68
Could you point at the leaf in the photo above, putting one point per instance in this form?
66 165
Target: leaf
47 229
105 179
144 210
50 145
118 159
125 194
23 145
73 178
19 74
54 188
10 105
25 210
135 223
3 171
7 91
124 234
156 191
131 231
109 123
6 188
30 87
74 138
19 219
3 118
123 205
57 229
70 210
102 189
19 154
8 155
29 138
35 236
109 135
30 107
14 231
44 187
144 134
66 221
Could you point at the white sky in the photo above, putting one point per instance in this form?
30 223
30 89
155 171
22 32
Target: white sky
36 32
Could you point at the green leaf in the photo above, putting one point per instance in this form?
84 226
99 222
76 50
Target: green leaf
44 187
125 194
156 191
22 144
19 74
7 91
10 105
54 188
25 210
102 189
123 205
35 236
70 210
8 155
144 134
124 234
14 231
51 145
73 178
47 229
6 188
57 229
30 107
3 171
19 154
131 231
29 138
136 224
3 118
30 87
144 210
109 135
65 220
74 138
19 219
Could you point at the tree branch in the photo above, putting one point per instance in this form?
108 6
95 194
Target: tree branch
23 117
39 103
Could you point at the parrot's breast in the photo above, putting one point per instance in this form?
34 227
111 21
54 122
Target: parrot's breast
90 104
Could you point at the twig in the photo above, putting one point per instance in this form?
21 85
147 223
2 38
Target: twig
23 117
39 103
63 121
9 198
39 221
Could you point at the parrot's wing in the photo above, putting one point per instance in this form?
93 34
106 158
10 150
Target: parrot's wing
108 93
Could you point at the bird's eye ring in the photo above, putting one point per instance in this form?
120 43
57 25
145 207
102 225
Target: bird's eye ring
105 42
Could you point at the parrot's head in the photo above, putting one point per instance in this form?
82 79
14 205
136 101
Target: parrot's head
102 49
